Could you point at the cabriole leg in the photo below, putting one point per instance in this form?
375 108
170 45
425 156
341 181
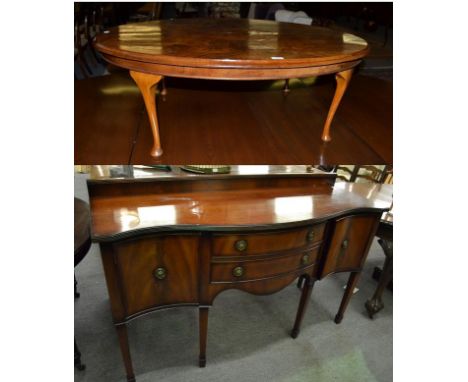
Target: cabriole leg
147 85
342 81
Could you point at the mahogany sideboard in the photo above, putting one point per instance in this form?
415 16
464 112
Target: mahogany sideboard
229 49
177 239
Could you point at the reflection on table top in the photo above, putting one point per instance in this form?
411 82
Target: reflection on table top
226 43
224 210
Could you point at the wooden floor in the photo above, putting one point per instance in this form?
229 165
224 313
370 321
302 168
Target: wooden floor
221 122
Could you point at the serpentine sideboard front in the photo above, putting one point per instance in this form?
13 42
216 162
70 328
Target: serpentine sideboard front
179 240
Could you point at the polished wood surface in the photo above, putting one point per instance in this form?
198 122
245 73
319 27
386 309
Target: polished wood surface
229 49
107 114
227 210
165 249
215 122
248 269
230 43
230 73
226 245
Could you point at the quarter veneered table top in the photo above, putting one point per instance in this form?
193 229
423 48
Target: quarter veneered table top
230 43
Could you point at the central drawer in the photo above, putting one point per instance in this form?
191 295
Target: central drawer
248 269
259 243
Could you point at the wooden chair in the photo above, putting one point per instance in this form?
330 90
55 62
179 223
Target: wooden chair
79 51
370 173
89 22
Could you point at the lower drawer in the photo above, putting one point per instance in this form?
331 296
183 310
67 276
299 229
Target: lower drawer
250 270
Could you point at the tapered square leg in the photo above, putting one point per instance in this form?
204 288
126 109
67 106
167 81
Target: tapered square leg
308 284
342 82
125 350
203 322
352 281
147 84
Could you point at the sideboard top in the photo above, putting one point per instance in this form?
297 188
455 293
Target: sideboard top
124 209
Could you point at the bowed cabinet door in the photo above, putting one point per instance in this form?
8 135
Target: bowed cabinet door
350 243
157 271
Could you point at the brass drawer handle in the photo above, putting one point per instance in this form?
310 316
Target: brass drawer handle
310 235
160 273
305 259
344 244
240 245
238 272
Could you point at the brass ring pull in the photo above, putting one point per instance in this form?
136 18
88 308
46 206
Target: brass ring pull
238 272
310 235
160 273
240 245
305 259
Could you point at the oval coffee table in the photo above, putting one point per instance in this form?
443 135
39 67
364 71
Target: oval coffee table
229 49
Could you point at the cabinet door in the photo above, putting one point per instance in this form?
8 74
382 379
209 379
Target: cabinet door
157 271
349 244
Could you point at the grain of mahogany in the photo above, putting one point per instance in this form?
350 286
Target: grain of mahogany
195 254
230 50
